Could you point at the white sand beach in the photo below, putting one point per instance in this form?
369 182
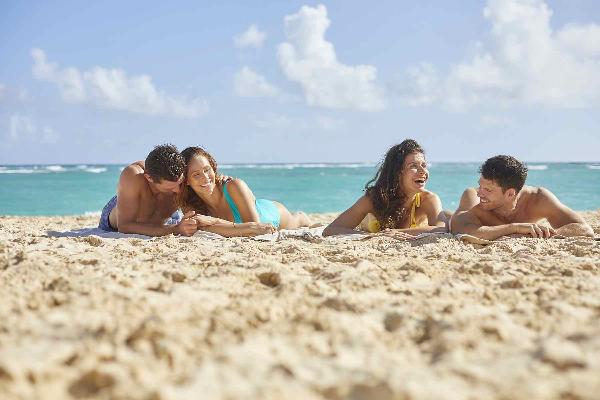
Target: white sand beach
191 318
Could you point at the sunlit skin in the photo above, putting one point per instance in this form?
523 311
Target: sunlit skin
165 186
414 175
491 197
202 179
488 212
413 178
143 204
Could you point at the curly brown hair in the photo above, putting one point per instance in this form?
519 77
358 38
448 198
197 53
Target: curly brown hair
385 190
164 162
506 171
187 199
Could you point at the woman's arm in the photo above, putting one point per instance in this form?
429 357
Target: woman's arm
347 221
436 221
230 229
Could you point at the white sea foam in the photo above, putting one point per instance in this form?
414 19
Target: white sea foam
22 171
537 167
296 165
95 170
55 168
92 213
593 166
82 166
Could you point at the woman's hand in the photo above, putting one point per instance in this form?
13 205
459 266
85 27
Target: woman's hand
258 228
395 234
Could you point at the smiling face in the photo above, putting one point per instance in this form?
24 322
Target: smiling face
201 176
414 173
491 196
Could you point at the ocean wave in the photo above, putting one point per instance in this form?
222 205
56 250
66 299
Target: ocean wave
55 168
95 170
593 166
23 171
295 165
92 213
82 166
537 167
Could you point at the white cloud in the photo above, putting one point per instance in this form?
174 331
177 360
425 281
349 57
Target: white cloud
329 123
112 88
272 121
310 60
526 62
495 120
48 135
12 93
251 37
21 127
247 83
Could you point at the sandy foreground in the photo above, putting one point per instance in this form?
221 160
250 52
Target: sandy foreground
193 318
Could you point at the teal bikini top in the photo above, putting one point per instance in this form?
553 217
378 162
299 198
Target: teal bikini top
267 210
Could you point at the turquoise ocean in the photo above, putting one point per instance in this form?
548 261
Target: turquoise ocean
314 188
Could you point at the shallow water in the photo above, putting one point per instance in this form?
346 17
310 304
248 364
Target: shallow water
80 189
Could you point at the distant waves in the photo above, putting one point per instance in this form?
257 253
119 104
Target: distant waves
46 169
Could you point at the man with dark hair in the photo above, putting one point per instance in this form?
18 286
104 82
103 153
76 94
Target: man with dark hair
146 194
503 205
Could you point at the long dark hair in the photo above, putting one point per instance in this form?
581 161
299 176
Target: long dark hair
187 199
385 189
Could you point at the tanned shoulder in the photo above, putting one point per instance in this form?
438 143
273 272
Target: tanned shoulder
237 188
132 175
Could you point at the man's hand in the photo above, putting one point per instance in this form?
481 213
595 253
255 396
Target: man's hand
534 230
188 225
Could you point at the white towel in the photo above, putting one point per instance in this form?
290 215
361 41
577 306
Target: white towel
96 232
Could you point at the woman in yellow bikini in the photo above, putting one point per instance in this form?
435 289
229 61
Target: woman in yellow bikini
395 200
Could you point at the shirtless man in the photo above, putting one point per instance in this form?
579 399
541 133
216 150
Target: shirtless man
146 196
507 207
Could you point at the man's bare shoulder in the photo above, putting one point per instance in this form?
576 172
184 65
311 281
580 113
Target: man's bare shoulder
538 196
133 175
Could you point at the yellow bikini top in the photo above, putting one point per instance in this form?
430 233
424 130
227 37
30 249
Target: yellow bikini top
373 225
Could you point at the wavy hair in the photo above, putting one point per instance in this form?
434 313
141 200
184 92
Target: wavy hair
164 163
385 190
187 199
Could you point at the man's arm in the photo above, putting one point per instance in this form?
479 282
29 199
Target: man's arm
565 221
468 222
128 204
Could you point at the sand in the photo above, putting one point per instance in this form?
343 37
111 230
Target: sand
193 318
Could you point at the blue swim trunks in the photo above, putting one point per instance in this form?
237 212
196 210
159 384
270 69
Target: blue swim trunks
104 223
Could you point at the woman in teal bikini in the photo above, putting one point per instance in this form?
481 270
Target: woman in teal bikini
208 193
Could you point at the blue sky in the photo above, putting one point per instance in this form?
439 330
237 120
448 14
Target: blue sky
299 82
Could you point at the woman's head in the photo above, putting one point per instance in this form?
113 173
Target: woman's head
200 178
402 173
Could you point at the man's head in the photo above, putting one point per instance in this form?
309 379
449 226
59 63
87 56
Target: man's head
164 168
502 178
